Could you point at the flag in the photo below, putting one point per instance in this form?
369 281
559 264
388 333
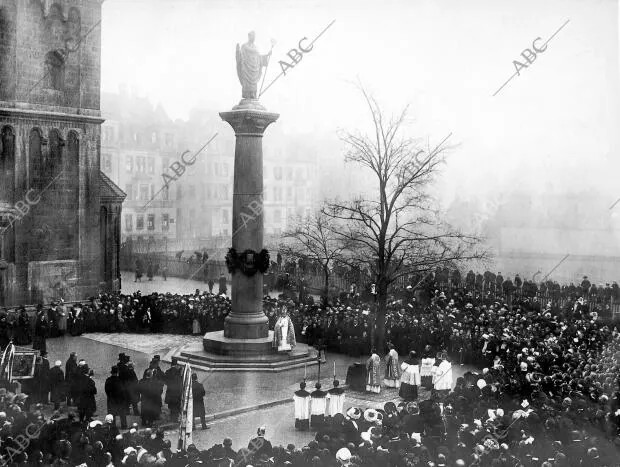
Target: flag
187 410
6 364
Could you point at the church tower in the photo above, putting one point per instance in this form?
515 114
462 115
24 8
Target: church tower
60 216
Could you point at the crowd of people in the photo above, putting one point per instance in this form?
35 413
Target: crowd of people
547 393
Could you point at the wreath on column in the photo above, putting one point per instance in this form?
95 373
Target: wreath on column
249 262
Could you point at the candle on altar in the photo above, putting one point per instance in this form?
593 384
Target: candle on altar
334 370
305 371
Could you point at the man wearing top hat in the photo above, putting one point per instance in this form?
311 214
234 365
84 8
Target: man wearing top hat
156 371
174 381
116 394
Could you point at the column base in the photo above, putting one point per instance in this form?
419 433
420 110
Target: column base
246 326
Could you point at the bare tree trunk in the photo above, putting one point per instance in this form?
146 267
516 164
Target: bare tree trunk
380 323
326 288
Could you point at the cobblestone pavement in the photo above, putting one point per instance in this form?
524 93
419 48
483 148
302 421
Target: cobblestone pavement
225 391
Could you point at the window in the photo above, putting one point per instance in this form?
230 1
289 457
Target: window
223 192
277 193
169 139
192 192
300 194
209 192
144 193
277 173
139 222
107 163
217 169
128 222
153 137
141 164
277 215
129 191
225 216
165 162
55 62
108 134
289 173
179 192
150 222
289 193
152 195
165 193
165 222
192 219
224 169
151 163
129 163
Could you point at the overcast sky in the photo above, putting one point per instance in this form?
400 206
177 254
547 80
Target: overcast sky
551 129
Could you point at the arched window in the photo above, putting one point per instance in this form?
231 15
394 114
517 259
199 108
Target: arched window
7 164
55 63
54 161
7 187
35 157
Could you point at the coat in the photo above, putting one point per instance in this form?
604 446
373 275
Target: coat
117 397
57 384
86 397
150 397
174 381
198 392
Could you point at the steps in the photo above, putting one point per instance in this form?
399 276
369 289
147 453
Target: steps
198 358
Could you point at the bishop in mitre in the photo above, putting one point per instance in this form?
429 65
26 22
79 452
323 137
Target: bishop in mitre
284 333
250 65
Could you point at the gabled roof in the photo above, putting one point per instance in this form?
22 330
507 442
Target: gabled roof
108 190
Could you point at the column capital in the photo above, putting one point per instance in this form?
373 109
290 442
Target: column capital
249 122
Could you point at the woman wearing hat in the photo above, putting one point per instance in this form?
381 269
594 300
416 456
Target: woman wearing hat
410 378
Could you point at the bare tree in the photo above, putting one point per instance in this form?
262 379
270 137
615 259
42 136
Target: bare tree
398 232
313 238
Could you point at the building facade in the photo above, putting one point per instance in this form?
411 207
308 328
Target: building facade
58 233
193 211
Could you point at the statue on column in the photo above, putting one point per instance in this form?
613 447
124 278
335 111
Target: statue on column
250 65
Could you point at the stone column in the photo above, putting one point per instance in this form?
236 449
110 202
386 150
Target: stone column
249 120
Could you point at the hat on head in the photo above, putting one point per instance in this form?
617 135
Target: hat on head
354 413
343 455
371 415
